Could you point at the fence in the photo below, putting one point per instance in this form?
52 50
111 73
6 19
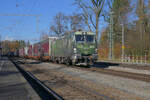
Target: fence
130 59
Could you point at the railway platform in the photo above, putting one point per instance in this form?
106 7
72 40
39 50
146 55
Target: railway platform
13 86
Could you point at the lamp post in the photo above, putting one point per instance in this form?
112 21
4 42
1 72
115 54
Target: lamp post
111 37
123 44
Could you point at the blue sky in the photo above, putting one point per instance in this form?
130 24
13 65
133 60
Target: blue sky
24 28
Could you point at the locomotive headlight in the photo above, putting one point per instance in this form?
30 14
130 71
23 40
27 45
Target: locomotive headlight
75 50
96 50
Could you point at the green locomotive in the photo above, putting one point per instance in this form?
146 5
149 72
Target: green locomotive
78 47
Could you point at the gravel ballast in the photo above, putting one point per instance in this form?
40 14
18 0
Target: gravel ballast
139 88
124 69
118 87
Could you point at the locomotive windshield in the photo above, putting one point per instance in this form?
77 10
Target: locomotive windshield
89 38
86 38
80 38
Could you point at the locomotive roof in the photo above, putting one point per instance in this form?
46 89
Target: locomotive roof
87 32
52 37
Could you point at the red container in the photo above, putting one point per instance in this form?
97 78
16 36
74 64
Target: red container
30 51
44 48
36 50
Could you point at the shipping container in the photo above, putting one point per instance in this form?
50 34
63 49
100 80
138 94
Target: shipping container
36 51
41 50
30 51
45 48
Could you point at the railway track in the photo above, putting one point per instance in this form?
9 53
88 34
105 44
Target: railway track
136 76
74 90
83 92
79 92
129 75
140 67
90 92
132 66
42 90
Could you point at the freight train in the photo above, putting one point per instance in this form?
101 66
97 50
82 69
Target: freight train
72 48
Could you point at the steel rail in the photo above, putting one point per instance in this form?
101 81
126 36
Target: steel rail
88 91
42 90
129 75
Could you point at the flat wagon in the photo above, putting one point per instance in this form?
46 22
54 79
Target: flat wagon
41 50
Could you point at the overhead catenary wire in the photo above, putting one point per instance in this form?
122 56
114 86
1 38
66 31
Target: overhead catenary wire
34 4
18 14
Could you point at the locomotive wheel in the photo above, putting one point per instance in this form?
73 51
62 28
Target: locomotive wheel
91 62
68 62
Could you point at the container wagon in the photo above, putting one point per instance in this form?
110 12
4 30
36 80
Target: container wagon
16 53
21 52
45 49
30 51
42 49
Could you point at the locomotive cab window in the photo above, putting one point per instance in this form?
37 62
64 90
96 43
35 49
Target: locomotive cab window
86 38
80 38
89 38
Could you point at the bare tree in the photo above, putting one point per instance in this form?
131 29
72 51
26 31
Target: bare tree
63 23
92 11
59 24
86 15
76 22
43 35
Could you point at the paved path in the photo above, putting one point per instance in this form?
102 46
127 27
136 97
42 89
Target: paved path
13 86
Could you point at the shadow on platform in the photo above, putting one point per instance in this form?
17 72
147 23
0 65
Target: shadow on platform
21 62
6 73
14 91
